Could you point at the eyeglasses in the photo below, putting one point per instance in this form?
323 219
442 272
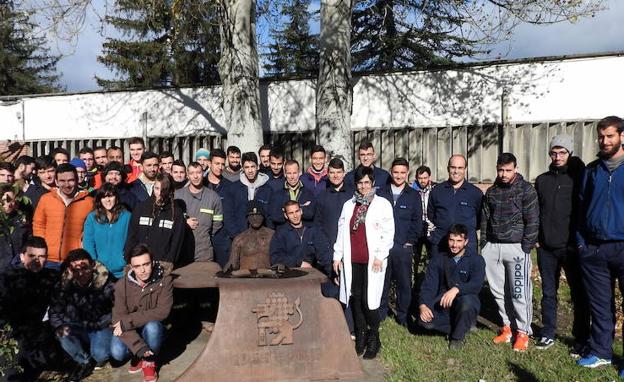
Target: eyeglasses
558 154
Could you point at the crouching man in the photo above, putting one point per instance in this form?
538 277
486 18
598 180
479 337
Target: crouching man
143 299
449 295
80 311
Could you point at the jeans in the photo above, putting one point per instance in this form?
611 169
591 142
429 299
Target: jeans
79 337
152 333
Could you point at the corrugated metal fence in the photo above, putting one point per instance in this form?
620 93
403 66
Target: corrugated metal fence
429 146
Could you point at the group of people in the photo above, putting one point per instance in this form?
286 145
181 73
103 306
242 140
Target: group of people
90 243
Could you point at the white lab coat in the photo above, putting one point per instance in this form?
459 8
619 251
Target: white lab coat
379 236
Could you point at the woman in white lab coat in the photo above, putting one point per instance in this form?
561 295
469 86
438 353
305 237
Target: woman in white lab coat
365 237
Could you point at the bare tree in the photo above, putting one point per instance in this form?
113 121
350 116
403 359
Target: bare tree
484 22
238 69
334 96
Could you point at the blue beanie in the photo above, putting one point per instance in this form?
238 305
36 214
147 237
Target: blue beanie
202 153
76 162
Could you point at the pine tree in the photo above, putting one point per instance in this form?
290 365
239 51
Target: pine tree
392 34
26 66
164 44
294 51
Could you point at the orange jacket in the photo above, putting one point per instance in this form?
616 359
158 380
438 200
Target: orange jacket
136 168
61 226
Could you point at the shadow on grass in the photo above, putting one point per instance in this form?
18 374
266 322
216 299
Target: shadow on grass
521 373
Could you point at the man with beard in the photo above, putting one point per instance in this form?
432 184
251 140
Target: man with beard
232 171
264 153
250 249
233 201
100 156
114 174
60 215
204 212
509 228
178 173
25 294
557 190
143 186
276 164
449 295
600 238
24 169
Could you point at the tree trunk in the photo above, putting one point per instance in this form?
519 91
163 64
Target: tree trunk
334 96
238 70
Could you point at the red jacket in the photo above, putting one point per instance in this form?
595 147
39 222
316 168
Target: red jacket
61 226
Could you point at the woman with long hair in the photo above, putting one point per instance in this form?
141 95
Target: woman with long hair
14 226
159 222
106 230
365 237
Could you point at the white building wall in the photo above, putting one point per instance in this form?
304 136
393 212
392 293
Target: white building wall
571 89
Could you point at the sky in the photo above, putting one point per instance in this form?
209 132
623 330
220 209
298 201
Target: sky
601 33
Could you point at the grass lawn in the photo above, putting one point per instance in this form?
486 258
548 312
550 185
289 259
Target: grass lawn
410 357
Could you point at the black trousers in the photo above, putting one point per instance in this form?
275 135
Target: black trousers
550 263
363 317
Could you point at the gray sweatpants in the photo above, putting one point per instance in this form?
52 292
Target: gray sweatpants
508 272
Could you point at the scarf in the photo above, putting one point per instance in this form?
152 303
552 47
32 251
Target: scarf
293 192
364 201
317 175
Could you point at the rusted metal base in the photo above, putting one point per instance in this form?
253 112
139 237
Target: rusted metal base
273 330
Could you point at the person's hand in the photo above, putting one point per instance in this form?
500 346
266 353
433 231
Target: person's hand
305 264
537 245
449 297
426 315
377 264
148 353
192 222
117 329
337 266
336 280
63 331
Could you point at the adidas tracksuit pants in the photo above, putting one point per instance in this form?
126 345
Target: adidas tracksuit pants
508 272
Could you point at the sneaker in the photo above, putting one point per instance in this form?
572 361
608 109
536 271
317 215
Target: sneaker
149 371
592 361
504 336
456 344
522 342
135 366
544 343
579 350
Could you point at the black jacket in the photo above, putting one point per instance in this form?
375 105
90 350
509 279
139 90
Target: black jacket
12 237
558 193
408 213
162 229
90 307
25 297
